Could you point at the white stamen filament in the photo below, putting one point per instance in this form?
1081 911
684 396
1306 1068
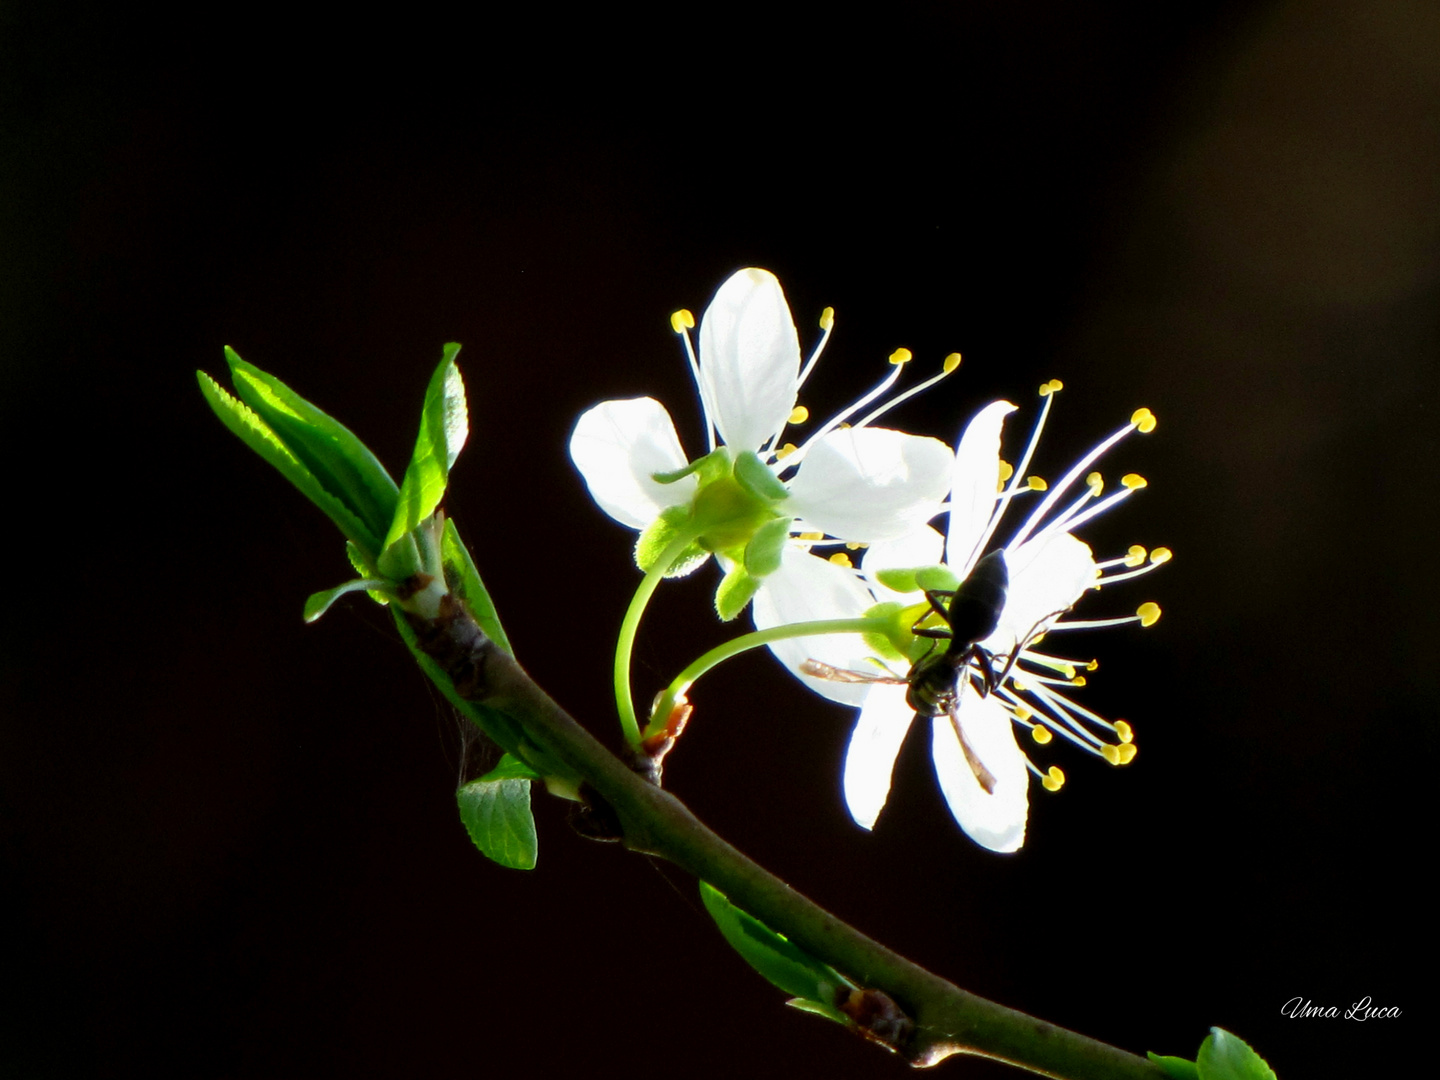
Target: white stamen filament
1076 471
704 405
1017 478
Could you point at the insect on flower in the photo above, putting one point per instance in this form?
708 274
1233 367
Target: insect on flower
938 678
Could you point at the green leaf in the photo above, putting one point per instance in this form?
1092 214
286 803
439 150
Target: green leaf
762 554
319 603
341 463
827 1011
258 436
511 768
755 477
708 468
444 425
365 568
657 537
1177 1068
472 590
774 956
496 814
1224 1056
736 589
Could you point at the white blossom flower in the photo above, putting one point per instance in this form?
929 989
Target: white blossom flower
856 483
1048 568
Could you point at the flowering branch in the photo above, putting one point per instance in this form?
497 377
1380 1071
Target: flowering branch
946 1019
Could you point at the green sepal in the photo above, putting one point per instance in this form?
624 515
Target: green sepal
736 589
444 426
820 1009
316 604
777 958
496 814
1177 1068
763 552
245 424
511 768
708 468
1224 1056
456 558
656 537
884 643
939 578
755 477
343 465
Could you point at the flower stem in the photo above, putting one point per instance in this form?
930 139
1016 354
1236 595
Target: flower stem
744 643
625 643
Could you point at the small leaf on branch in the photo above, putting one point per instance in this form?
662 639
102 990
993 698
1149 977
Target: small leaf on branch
496 814
444 426
1177 1068
1224 1056
319 603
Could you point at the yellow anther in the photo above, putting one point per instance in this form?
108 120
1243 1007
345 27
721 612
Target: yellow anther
1041 734
1132 481
1125 731
1051 387
1127 752
1006 470
1034 483
1160 555
827 318
1053 780
785 451
1135 556
1110 753
1096 483
1022 713
853 545
1017 684
799 414
812 536
1149 613
841 559
1093 665
1068 670
1078 680
951 363
681 321
1143 419
1037 639
901 356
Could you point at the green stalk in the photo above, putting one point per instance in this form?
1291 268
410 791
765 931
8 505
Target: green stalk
746 642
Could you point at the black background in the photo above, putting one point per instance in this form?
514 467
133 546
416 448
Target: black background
230 845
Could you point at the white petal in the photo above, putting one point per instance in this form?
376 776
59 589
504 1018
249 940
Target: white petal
975 484
869 484
923 547
874 745
749 359
1047 576
617 445
993 820
808 587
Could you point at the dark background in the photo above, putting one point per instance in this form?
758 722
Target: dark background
229 840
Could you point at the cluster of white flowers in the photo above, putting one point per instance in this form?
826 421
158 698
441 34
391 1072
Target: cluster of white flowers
851 483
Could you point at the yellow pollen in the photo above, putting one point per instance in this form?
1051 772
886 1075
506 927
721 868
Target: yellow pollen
1110 753
1149 613
681 321
901 356
854 545
1068 670
1006 470
812 536
1078 680
1022 713
1053 780
841 559
951 363
827 318
1125 731
785 451
1160 555
1135 556
1041 734
1093 665
1051 387
1143 419
1018 685
1132 481
1127 752
1096 483
1037 639
799 414
1034 483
